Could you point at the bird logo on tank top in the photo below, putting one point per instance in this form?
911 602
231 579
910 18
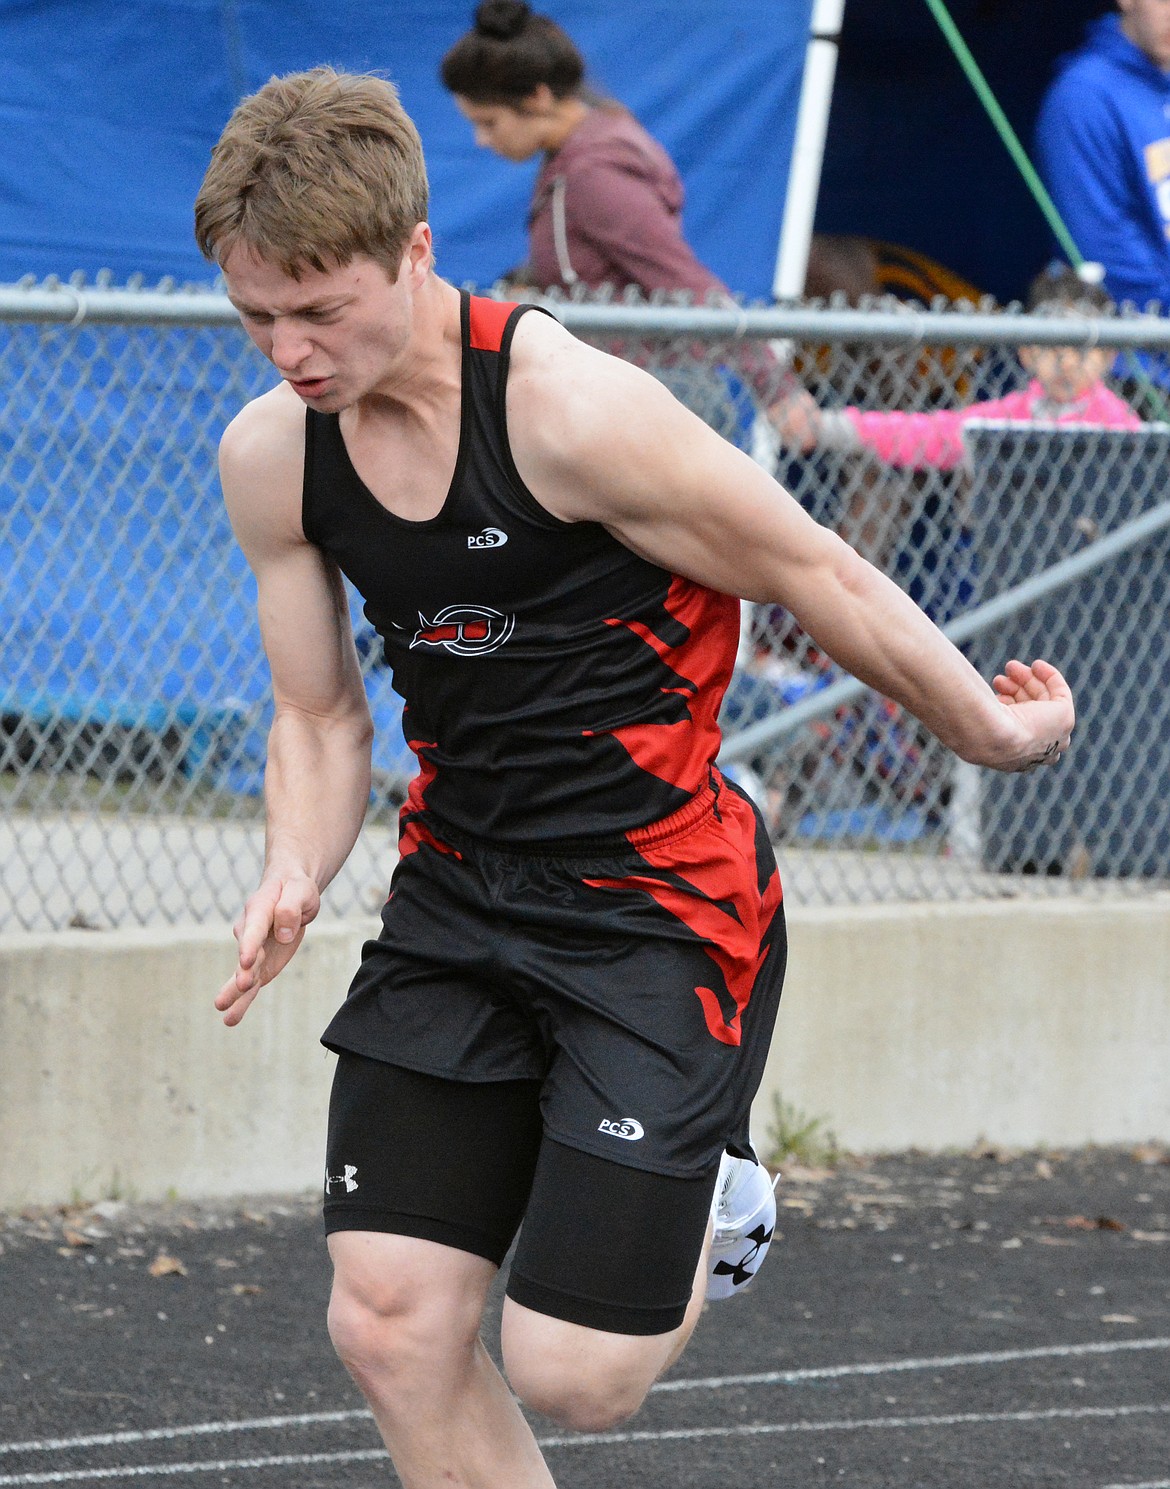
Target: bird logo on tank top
466 630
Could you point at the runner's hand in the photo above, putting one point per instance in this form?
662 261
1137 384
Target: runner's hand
1045 711
268 932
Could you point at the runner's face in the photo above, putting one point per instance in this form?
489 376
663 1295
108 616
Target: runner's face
333 335
514 133
1147 24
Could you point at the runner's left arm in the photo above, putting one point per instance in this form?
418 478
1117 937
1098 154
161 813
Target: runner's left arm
598 440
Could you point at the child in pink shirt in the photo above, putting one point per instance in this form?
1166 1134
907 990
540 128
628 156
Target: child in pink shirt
1065 388
936 439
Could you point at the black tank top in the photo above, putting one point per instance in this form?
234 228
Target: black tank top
557 686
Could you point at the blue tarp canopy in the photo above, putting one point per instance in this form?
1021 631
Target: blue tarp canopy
108 113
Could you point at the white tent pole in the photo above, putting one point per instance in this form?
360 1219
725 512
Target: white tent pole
808 149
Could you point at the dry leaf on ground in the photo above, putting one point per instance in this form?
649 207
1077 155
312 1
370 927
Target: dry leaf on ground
167 1266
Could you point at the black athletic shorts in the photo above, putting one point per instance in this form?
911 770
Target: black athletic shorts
635 983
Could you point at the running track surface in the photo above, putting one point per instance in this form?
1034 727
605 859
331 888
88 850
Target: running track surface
975 1322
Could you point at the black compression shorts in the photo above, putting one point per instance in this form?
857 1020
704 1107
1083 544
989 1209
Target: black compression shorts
603 1245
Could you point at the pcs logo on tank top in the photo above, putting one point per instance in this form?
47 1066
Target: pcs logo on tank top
491 537
466 630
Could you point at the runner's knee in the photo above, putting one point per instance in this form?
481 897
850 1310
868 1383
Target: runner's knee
389 1313
582 1379
578 1395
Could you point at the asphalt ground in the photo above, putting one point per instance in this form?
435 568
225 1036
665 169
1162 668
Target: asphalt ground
965 1321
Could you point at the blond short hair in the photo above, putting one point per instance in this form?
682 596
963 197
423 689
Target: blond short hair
312 169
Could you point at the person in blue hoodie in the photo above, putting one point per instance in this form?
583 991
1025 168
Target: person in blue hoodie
1103 148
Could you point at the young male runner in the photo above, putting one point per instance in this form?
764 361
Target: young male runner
568 1009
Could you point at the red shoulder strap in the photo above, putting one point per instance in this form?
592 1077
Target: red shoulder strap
488 319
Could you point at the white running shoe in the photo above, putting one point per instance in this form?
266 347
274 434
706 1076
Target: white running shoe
744 1211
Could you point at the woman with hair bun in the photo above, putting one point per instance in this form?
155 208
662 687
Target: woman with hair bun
607 206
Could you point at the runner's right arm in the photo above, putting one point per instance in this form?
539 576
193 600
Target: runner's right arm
317 780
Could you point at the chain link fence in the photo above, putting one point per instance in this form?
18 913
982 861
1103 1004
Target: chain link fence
134 698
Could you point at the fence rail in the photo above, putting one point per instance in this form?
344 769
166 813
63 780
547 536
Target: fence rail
897 324
134 699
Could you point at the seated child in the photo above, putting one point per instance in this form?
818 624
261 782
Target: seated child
1065 388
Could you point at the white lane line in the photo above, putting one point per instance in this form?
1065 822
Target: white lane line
940 1362
862 1424
1149 1484
219 1465
771 1377
197 1429
600 1439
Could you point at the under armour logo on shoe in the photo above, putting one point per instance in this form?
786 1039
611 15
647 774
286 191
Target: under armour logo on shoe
346 1177
743 1270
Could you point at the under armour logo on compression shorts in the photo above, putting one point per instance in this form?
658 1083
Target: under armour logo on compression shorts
346 1177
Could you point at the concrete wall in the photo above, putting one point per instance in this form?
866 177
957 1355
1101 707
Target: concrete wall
927 1026
932 1026
117 1076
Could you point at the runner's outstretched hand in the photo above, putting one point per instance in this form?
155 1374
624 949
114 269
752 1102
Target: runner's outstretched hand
1043 706
268 932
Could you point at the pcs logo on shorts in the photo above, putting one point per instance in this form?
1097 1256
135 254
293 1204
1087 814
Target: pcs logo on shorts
466 630
625 1127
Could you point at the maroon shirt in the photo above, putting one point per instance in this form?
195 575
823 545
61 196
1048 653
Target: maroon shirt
607 209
